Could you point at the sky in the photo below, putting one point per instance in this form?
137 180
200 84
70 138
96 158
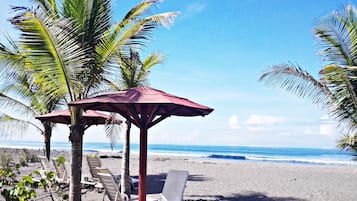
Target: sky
214 54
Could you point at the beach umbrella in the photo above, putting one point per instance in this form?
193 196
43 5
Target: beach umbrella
144 107
90 117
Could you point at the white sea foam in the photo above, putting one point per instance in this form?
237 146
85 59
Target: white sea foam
320 161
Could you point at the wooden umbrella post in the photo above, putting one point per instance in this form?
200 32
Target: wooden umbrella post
143 164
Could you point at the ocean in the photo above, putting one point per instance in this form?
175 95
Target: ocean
241 153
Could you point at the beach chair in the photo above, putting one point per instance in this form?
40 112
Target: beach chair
45 165
61 173
94 164
52 192
111 187
174 186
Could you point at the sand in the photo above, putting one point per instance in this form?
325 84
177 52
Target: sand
214 179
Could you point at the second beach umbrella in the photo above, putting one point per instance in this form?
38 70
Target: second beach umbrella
144 107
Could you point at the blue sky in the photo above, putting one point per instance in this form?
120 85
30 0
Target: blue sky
215 52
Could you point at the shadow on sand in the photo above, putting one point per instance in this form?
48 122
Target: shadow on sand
257 196
252 196
155 183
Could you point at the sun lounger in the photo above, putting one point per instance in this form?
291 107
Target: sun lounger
111 187
45 165
95 165
61 173
174 186
52 191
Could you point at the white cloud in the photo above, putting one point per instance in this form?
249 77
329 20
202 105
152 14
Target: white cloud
328 127
233 122
325 118
261 122
192 9
195 7
257 120
308 131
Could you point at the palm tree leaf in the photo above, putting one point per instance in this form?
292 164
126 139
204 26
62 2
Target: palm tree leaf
150 61
347 142
14 105
297 81
11 126
112 130
53 53
337 34
137 12
342 83
48 6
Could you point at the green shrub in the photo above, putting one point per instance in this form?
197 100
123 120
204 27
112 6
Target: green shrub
25 189
27 157
6 160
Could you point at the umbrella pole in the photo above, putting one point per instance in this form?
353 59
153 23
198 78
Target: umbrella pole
142 164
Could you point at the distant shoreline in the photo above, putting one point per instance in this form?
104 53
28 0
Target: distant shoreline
278 155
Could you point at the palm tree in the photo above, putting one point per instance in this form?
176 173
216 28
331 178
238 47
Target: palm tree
71 52
17 93
336 89
133 73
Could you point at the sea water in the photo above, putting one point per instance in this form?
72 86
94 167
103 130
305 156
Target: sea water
243 153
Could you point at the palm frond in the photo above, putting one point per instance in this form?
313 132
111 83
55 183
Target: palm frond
342 83
10 58
98 20
11 126
153 59
150 61
137 12
11 104
48 6
165 19
347 142
112 130
132 34
297 81
337 34
123 36
53 53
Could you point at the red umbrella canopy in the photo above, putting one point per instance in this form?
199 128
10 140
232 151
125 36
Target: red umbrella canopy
90 117
140 100
145 107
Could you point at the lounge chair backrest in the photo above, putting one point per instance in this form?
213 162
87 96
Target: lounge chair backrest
44 163
93 164
175 185
110 186
61 171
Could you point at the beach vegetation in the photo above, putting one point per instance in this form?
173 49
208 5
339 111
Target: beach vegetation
25 189
8 170
336 88
7 176
69 52
26 157
6 161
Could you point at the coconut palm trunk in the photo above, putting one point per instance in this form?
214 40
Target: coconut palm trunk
126 181
76 138
47 136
